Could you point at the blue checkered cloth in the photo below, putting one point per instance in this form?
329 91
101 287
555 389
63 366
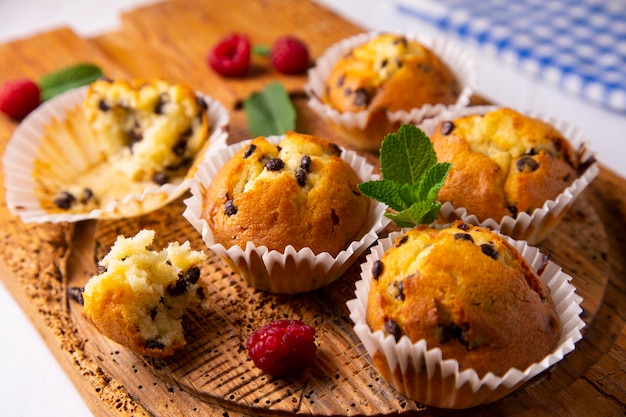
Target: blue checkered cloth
579 45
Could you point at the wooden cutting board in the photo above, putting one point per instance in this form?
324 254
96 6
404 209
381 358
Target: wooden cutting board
213 375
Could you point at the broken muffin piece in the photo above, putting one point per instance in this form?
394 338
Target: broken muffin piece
140 297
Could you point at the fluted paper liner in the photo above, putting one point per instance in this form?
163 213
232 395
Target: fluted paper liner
53 149
355 126
423 375
289 271
536 226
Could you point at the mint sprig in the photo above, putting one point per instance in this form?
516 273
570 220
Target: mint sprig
270 111
67 78
411 177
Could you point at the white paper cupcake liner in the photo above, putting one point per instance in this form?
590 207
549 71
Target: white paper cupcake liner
58 134
450 53
423 375
533 227
290 271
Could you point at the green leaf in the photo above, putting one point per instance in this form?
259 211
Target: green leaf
411 179
270 111
261 50
68 78
405 155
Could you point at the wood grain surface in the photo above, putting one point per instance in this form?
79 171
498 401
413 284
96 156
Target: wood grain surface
213 375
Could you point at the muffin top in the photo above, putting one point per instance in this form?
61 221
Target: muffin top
503 163
390 72
298 192
467 291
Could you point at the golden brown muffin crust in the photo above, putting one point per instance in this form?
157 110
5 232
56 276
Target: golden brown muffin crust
465 290
503 163
313 204
392 73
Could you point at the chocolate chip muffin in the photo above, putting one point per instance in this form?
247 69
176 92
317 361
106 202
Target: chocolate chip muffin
147 128
467 291
390 72
299 192
140 297
503 163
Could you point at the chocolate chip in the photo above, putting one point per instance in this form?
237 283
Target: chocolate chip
76 294
377 269
527 162
489 250
361 98
464 226
64 200
275 164
544 263
179 287
301 176
393 329
134 135
305 163
158 108
402 241
103 106
341 80
514 211
384 63
230 208
181 145
160 178
154 344
202 103
463 236
249 151
453 331
153 313
87 194
400 40
334 217
446 127
192 275
401 295
336 149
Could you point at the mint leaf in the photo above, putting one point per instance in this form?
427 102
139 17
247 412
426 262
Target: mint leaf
411 177
67 78
270 111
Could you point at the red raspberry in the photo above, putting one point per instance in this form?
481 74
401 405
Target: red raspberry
19 97
230 57
283 348
290 55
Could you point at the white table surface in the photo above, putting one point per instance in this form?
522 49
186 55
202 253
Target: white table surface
32 383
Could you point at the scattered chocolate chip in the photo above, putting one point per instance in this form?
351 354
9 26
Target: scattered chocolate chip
361 98
463 236
402 241
527 162
181 145
393 329
446 127
334 217
154 344
158 108
230 208
249 151
544 263
76 294
87 194
384 63
64 200
305 163
179 287
192 275
202 103
347 91
464 226
200 293
301 176
336 149
103 106
453 331
400 41
377 269
341 80
153 313
489 250
160 178
134 135
275 164
514 211
401 295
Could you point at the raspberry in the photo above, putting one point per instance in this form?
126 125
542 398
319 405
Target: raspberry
283 348
19 97
289 55
230 57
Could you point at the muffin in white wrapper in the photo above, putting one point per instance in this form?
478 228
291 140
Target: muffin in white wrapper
532 227
289 271
422 374
366 129
55 150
